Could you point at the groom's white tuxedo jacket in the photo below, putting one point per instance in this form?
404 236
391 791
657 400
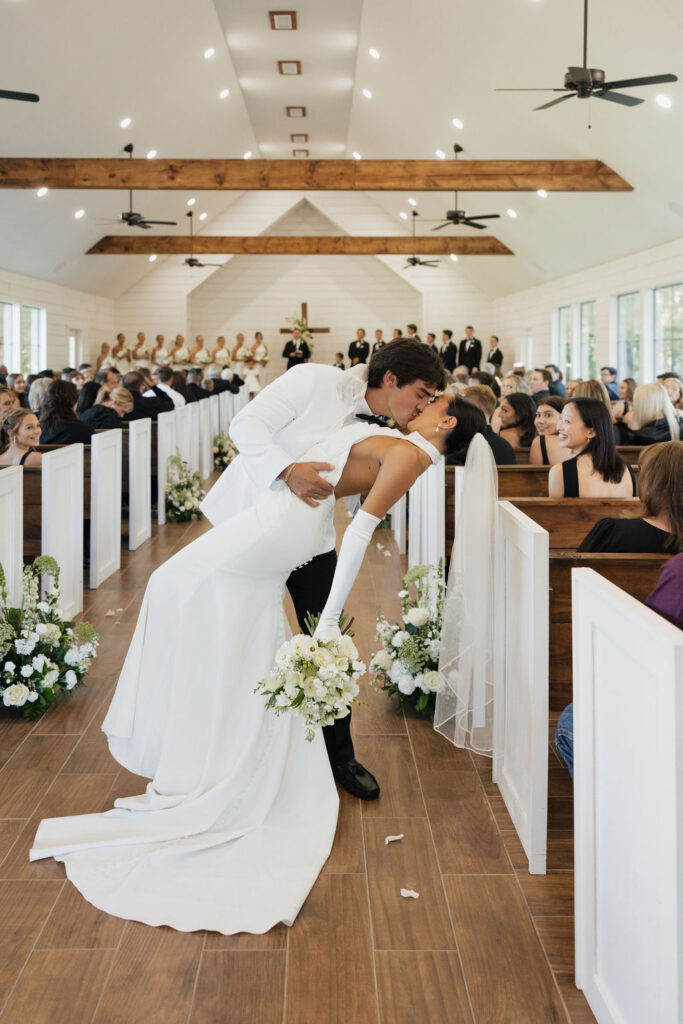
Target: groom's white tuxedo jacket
301 408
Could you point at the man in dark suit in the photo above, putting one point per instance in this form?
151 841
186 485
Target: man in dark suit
296 351
469 350
495 356
194 379
539 384
224 379
411 332
449 351
379 340
143 407
556 386
359 350
608 376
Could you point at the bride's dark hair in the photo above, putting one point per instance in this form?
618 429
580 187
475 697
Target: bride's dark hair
471 421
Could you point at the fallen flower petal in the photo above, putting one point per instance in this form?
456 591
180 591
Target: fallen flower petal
392 839
410 894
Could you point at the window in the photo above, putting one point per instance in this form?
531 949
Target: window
564 336
31 339
6 354
668 329
587 339
628 334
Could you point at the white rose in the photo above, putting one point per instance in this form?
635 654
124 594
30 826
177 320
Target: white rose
51 677
16 695
399 638
43 607
39 662
342 663
347 647
417 616
26 671
281 701
382 660
406 685
397 671
9 667
323 658
72 656
431 682
403 593
71 679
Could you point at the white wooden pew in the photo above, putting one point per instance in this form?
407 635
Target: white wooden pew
105 505
628 805
215 414
139 482
182 431
426 519
166 446
193 416
521 675
62 520
225 400
12 529
205 438
399 524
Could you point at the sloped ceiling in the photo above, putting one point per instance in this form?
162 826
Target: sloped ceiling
94 62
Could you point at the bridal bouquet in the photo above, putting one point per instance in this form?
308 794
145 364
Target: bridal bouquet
183 491
314 679
224 451
408 660
41 654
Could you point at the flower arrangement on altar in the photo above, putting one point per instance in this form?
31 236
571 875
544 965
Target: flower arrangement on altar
41 654
314 679
224 451
301 325
408 660
183 491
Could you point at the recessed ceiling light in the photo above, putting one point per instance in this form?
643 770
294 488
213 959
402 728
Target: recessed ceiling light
208 54
203 216
356 156
191 201
247 154
282 21
664 101
296 111
79 213
125 122
289 67
41 192
374 53
301 153
152 258
457 123
512 213
412 202
152 153
367 94
403 215
298 137
223 94
441 155
454 257
542 193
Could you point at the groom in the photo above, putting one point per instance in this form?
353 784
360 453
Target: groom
296 411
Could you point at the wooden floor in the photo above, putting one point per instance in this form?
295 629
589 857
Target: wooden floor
485 942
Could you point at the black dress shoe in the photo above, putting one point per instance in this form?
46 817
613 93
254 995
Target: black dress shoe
356 780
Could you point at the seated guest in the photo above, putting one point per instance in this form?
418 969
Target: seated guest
47 373
651 419
163 377
233 380
471 420
58 420
109 409
66 370
627 389
571 384
556 386
106 377
660 489
179 385
674 389
608 376
483 397
16 382
339 361
512 383
8 399
87 396
545 449
76 378
593 389
194 379
595 470
37 394
29 380
667 597
516 417
539 384
486 380
564 737
87 369
4 372
19 434
207 385
145 405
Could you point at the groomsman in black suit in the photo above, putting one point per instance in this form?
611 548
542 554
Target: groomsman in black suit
411 332
495 356
359 350
379 341
296 351
449 351
469 351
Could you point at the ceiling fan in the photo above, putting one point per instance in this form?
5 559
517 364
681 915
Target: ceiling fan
584 81
192 261
136 220
415 261
457 216
8 94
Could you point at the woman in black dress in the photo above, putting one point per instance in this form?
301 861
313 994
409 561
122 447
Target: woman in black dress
19 434
516 418
652 418
109 409
58 419
660 488
596 470
545 448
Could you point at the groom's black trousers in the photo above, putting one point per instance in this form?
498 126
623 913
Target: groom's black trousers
309 587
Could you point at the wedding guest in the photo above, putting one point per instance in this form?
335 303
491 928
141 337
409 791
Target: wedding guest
8 399
571 384
87 370
359 350
87 397
3 374
449 351
379 341
411 332
162 377
608 376
339 361
16 382
652 418
556 386
595 469
516 418
296 351
178 384
495 356
512 383
194 380
230 381
66 371
76 378
593 389
660 489
207 384
471 421
37 394
545 448
106 377
539 384
109 408
19 434
469 350
145 404
396 333
487 380
667 597
29 380
674 389
58 420
627 389
519 369
483 397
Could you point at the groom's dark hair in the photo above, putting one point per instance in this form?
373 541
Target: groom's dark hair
408 360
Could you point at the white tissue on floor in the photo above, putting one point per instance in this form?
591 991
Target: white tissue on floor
109 614
410 893
392 839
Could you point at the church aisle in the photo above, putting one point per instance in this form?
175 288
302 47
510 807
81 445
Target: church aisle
484 943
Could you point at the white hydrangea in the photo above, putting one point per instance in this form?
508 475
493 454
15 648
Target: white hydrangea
9 668
72 656
26 671
39 662
399 637
406 685
71 679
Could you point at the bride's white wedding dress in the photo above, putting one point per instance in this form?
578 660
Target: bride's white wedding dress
241 812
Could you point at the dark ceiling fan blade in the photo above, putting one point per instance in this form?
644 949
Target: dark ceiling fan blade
173 223
553 103
538 88
473 224
484 216
444 225
619 97
28 97
626 83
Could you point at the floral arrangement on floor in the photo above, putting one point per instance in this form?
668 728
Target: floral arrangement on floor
224 451
408 660
183 491
41 654
314 679
302 325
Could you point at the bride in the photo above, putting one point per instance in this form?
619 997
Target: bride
241 812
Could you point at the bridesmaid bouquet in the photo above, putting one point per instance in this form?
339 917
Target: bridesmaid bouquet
314 679
41 654
203 357
243 354
408 660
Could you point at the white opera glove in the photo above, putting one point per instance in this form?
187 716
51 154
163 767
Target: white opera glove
353 548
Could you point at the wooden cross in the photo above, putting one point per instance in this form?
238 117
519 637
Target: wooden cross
304 317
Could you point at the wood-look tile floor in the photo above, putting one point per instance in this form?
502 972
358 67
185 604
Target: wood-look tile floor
485 942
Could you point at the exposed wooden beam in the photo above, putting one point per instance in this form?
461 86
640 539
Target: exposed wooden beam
332 245
319 175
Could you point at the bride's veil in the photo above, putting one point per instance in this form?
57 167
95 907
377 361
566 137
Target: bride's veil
464 707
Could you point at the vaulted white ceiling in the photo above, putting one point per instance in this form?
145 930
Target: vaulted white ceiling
94 62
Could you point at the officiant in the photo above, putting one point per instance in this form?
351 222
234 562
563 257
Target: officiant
296 351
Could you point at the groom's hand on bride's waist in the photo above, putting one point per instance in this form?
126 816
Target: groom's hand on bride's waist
304 480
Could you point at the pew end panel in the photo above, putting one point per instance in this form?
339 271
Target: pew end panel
62 521
105 487
12 529
205 438
166 446
569 520
139 482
